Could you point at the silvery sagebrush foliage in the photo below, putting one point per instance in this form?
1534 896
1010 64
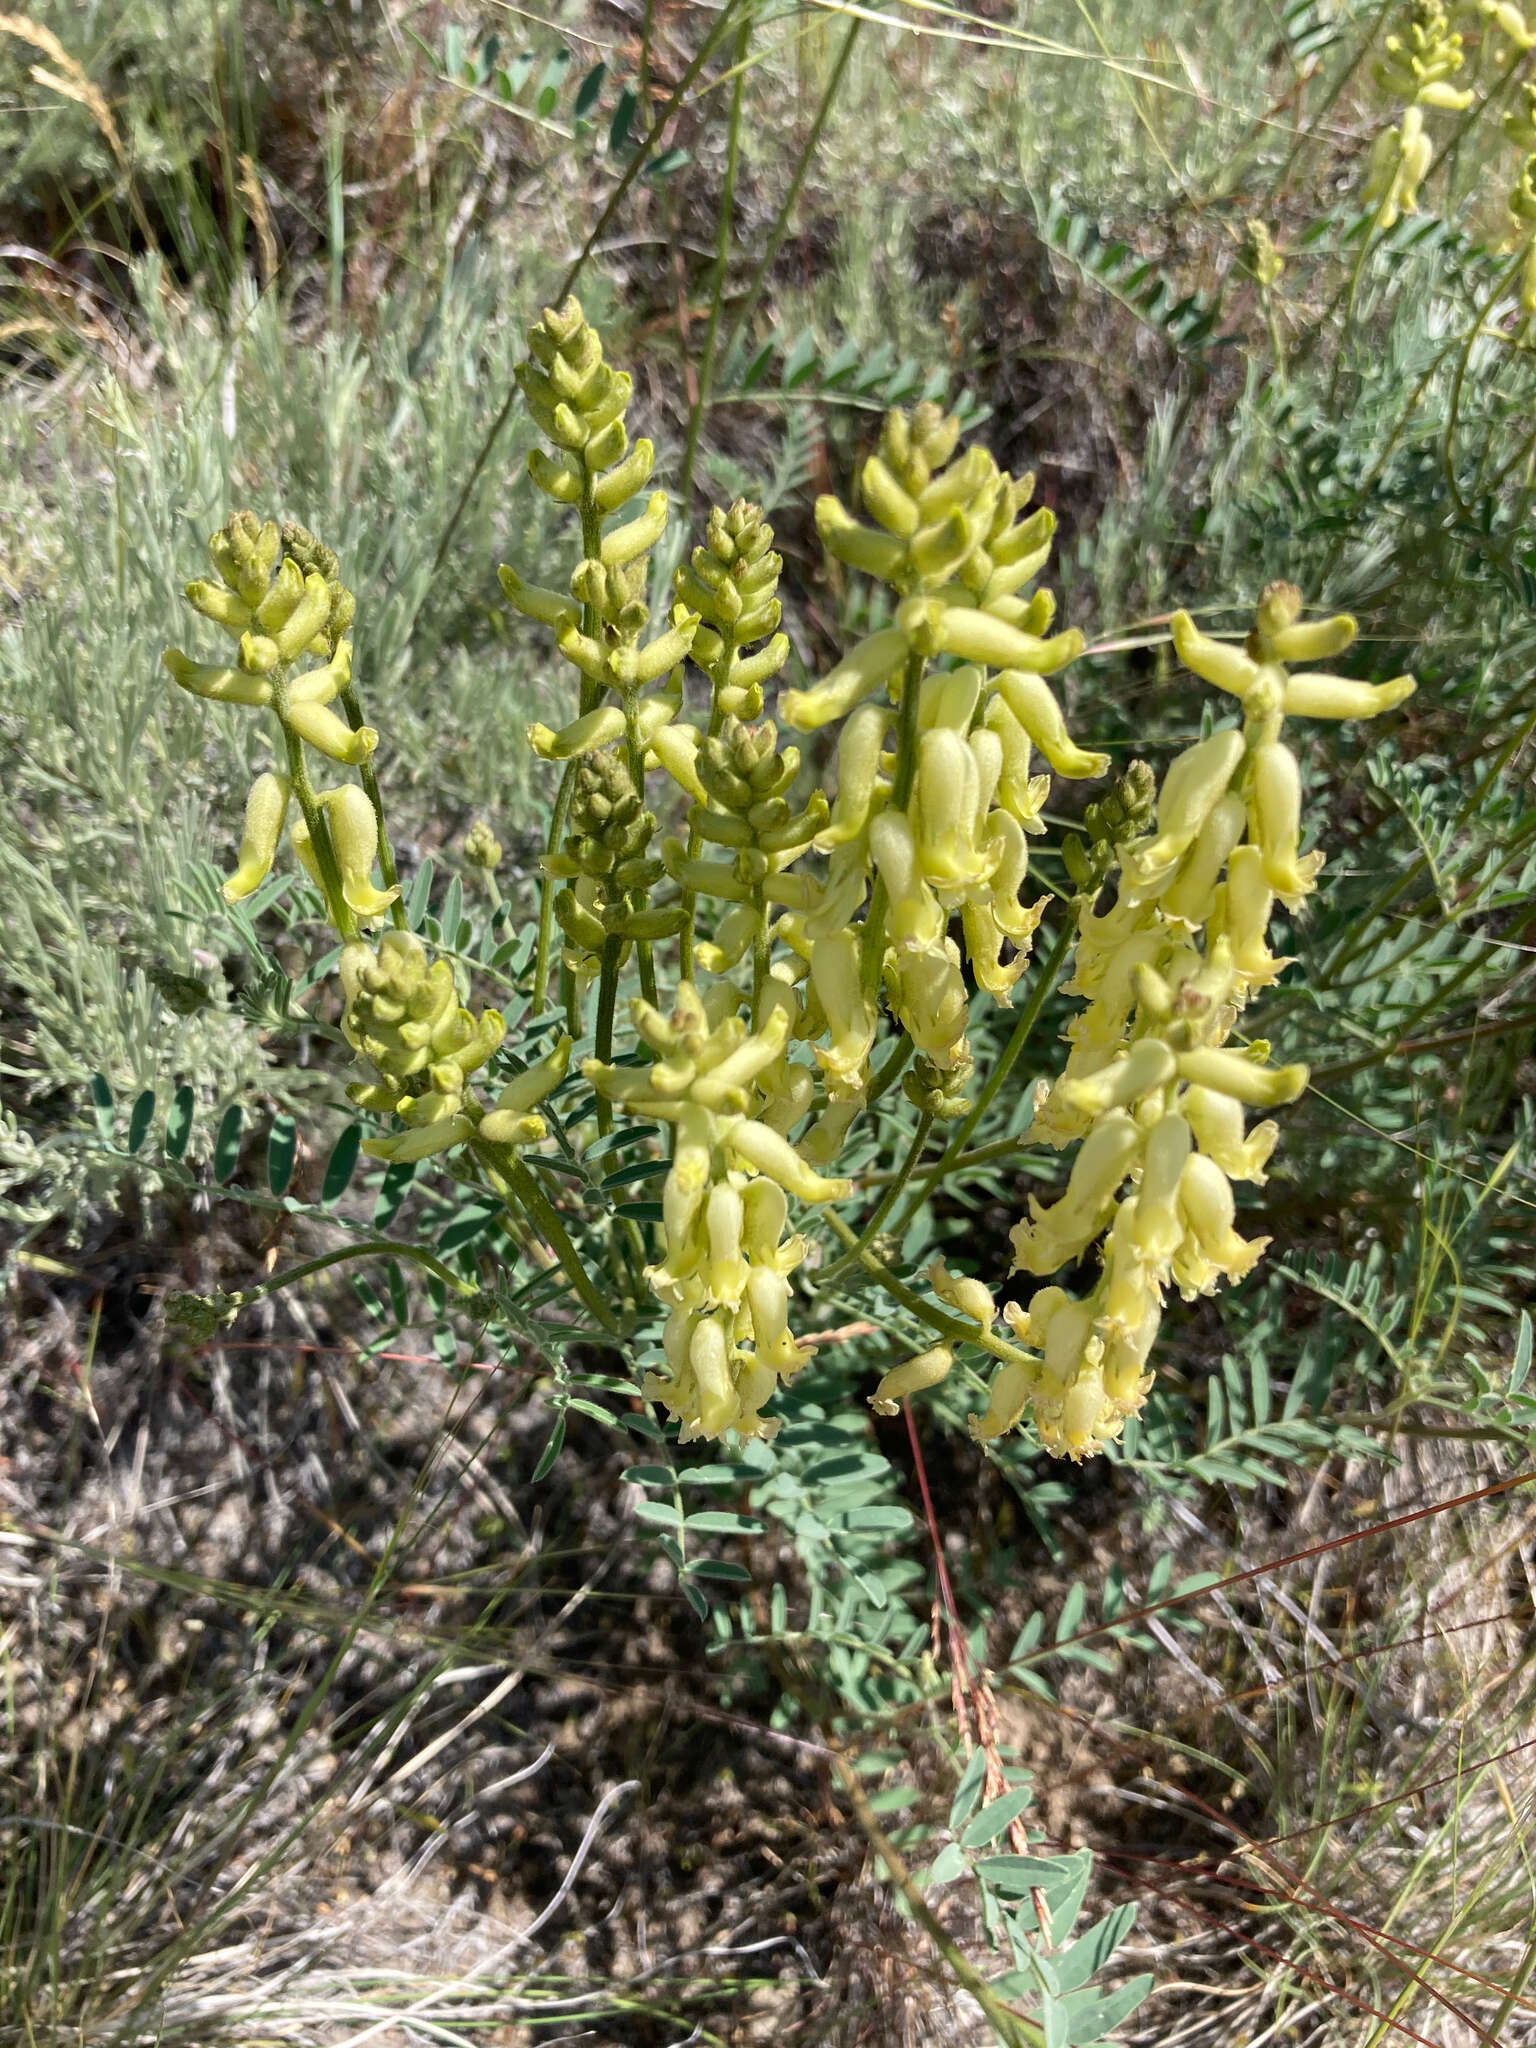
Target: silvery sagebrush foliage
793 953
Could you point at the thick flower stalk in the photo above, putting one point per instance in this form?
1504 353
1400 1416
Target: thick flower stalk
724 1276
732 586
1153 1088
748 835
600 623
607 869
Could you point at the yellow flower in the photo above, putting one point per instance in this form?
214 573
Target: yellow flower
265 809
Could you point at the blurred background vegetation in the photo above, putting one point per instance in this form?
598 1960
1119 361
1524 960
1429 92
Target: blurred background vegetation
350 1691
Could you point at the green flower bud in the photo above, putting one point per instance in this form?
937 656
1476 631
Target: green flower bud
482 849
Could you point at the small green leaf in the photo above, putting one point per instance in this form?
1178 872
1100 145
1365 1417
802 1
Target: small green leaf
1091 2016
549 85
178 1122
282 1147
647 1475
800 363
948 1865
1053 2017
637 1169
1071 1611
888 1520
661 1514
995 1820
101 1097
399 1297
226 1144
341 1164
968 1791
589 91
1015 1877
368 1296
1028 1638
697 1599
667 164
757 368
1088 1955
472 1221
139 1118
1522 1362
421 892
721 1568
716 1522
623 116
392 1192
551 1450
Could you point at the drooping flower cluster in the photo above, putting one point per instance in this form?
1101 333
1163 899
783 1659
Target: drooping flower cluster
1422 58
935 793
1152 1087
580 403
403 1016
724 1276
280 599
280 596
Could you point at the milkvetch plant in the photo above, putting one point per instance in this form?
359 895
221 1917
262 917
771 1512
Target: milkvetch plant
752 938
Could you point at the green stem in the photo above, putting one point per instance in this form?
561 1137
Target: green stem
781 223
957 1329
719 674
890 1072
542 1212
1447 445
887 1201
607 991
1029 1016
340 912
558 819
722 261
377 1247
759 957
983 1155
1276 345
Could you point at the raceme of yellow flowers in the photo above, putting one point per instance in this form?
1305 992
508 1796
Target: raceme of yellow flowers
800 937
1423 59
